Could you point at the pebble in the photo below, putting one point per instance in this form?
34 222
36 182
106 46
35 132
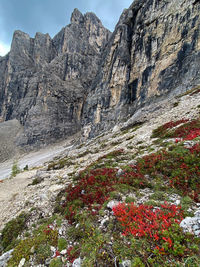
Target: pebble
22 262
126 263
112 204
63 252
77 263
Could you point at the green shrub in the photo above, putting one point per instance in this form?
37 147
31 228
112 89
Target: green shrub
12 229
15 169
62 244
43 251
56 263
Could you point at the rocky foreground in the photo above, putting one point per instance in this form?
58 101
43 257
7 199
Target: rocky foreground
129 197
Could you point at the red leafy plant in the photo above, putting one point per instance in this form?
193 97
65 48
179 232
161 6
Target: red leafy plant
162 130
93 189
151 223
179 166
72 254
189 130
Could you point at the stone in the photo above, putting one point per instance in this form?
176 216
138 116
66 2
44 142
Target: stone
112 204
120 172
104 221
126 263
63 252
53 249
77 263
191 224
5 257
22 262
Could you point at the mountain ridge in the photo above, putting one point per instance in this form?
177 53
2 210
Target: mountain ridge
87 79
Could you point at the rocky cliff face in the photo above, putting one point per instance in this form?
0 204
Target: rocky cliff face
87 78
153 52
44 81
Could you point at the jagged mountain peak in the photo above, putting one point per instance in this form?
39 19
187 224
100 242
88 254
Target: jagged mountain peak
77 16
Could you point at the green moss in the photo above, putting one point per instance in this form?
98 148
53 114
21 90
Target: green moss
158 195
59 164
23 250
130 200
62 244
12 229
56 263
39 243
42 252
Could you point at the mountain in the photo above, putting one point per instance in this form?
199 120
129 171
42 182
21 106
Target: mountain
124 189
87 79
44 81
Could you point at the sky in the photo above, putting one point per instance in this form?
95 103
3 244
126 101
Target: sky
49 16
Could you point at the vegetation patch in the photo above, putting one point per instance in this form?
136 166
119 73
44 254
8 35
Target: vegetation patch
93 189
157 230
191 92
59 164
180 167
12 230
189 130
15 169
162 130
39 244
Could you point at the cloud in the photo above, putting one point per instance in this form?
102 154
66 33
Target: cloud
50 16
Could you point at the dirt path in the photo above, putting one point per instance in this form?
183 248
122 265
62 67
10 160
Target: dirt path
33 159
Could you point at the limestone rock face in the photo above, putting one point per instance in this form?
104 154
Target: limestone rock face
154 52
44 81
88 79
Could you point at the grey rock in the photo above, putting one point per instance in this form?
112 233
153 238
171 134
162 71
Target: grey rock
120 172
44 81
5 257
197 233
135 69
191 224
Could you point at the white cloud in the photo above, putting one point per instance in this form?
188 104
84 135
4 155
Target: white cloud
4 49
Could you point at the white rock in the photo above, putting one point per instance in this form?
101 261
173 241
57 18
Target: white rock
126 263
120 172
53 249
104 221
112 204
63 252
77 263
115 129
22 262
197 233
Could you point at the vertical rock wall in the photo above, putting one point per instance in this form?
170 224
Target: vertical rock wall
153 52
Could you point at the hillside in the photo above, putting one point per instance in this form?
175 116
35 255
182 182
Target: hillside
64 209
